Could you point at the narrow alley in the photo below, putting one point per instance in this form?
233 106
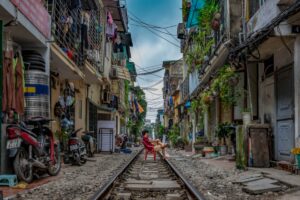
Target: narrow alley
150 99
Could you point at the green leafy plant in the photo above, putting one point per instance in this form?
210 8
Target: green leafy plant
202 40
223 87
223 131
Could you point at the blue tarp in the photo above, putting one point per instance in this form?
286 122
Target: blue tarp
194 13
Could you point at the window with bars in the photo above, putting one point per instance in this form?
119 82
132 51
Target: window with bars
78 29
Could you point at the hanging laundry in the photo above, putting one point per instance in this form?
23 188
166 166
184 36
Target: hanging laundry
111 30
109 18
19 84
8 102
141 110
136 105
171 101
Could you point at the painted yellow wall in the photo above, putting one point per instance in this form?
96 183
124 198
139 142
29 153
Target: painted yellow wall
80 104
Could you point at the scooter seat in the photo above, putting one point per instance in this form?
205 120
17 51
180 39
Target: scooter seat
38 121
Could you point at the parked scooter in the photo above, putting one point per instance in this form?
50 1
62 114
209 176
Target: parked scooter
76 150
33 151
90 143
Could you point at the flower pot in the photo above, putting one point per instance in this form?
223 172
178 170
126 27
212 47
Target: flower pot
246 118
223 150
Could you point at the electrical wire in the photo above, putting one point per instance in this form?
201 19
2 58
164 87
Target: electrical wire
151 25
151 72
138 20
155 84
144 26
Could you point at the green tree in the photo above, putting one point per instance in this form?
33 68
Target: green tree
136 125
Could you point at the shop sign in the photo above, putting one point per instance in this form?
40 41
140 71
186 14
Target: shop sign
36 13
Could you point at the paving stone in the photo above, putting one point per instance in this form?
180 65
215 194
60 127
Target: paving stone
259 189
155 186
261 182
173 197
124 196
250 178
134 181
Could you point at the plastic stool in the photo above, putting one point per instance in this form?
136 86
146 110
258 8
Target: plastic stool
8 180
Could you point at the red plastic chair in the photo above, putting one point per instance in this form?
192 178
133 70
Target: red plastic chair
149 149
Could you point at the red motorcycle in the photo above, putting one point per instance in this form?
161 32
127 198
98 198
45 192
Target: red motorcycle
33 151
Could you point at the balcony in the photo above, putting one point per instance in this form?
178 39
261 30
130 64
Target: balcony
78 31
262 14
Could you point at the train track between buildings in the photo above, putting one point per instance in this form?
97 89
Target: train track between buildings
140 179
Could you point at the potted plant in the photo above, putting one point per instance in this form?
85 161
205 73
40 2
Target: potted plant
246 116
296 152
199 144
222 132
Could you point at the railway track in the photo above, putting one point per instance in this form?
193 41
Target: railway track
146 180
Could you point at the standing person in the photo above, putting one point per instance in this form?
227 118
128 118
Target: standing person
157 144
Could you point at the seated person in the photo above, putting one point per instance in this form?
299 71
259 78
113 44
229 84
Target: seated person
157 144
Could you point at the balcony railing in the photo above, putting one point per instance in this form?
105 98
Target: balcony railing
79 31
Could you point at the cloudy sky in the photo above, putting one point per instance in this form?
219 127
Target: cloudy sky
150 49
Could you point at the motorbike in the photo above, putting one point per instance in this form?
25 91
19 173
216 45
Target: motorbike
33 151
76 150
90 143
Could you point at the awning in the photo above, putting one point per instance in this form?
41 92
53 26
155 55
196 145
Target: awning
102 107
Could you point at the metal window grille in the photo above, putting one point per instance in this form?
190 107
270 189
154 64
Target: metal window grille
78 32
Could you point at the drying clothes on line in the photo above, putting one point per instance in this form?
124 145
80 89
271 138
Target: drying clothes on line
111 30
109 18
8 102
171 101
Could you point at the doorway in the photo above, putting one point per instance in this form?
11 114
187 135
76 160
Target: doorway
284 113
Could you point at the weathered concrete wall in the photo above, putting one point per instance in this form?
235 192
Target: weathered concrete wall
107 59
55 93
80 104
94 93
235 17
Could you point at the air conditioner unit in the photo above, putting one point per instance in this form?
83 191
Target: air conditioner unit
114 73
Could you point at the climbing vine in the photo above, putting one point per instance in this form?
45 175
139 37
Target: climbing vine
203 40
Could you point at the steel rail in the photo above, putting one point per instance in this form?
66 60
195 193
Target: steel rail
193 191
100 194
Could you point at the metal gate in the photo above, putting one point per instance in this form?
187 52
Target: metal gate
284 113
